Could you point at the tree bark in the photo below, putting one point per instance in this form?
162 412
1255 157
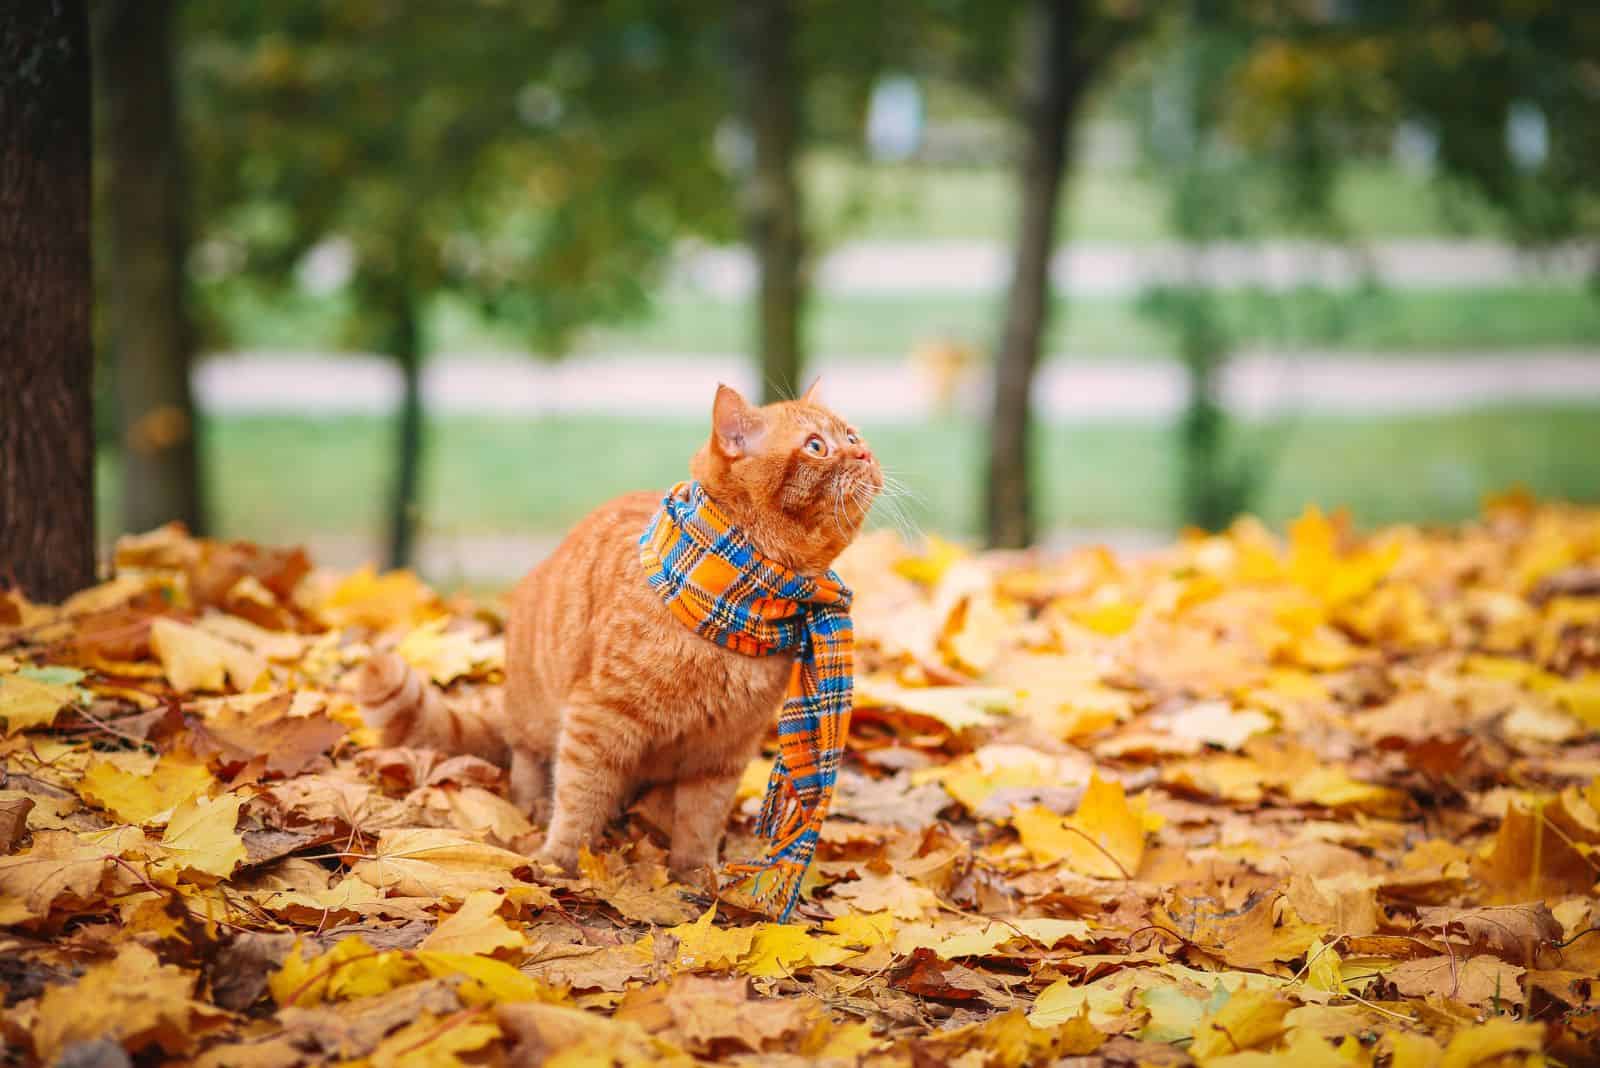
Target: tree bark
1057 84
145 238
774 224
47 531
405 347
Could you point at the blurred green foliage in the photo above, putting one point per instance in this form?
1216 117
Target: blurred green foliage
536 159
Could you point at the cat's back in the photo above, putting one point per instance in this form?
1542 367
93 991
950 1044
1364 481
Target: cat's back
584 572
557 608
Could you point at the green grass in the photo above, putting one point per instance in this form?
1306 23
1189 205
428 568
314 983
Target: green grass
281 478
1100 205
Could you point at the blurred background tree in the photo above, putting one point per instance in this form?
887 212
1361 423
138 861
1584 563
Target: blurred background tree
497 153
145 331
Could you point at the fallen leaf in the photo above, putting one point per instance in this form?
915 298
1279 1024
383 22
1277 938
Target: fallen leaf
200 836
1480 980
26 702
426 862
140 794
476 927
1104 838
134 999
194 660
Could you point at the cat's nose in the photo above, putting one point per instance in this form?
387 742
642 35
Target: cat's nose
861 452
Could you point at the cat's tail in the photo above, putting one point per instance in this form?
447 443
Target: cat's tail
396 701
405 709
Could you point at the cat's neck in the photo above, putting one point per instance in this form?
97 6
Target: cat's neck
785 539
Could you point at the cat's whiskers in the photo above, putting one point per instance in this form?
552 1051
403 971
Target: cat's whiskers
897 498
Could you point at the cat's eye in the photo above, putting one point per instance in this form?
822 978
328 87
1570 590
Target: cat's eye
852 439
816 446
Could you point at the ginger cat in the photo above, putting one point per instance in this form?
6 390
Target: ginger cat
608 694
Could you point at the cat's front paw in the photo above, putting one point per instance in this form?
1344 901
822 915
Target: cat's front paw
698 871
559 856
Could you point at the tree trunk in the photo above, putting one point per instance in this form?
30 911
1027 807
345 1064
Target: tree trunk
1057 83
144 230
47 532
773 220
405 346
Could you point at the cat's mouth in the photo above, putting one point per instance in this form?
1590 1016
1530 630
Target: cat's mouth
860 486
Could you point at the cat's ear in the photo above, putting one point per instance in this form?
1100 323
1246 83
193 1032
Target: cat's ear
736 424
812 395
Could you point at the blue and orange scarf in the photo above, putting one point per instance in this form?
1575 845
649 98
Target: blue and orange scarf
722 588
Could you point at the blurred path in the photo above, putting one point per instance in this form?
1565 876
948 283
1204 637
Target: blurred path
892 392
1105 269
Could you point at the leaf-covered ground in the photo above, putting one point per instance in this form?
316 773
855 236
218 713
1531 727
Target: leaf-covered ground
1321 800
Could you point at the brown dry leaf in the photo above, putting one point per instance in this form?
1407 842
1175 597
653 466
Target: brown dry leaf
1514 933
61 868
1479 981
891 893
428 862
286 744
708 1016
1533 855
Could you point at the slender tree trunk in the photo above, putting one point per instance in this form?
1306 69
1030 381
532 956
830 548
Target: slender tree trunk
772 209
405 346
144 230
1057 84
47 532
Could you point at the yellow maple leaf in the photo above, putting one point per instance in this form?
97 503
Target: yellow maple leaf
863 928
431 1042
929 567
488 981
703 945
1250 1019
446 656
476 927
1105 1000
138 795
26 702
350 969
200 836
1580 696
984 939
1409 1050
957 707
1333 787
778 949
1492 1042
195 660
368 599
1104 838
134 999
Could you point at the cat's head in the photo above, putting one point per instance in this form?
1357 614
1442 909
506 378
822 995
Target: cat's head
794 475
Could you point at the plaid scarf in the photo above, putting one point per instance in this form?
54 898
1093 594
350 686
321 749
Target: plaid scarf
722 588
